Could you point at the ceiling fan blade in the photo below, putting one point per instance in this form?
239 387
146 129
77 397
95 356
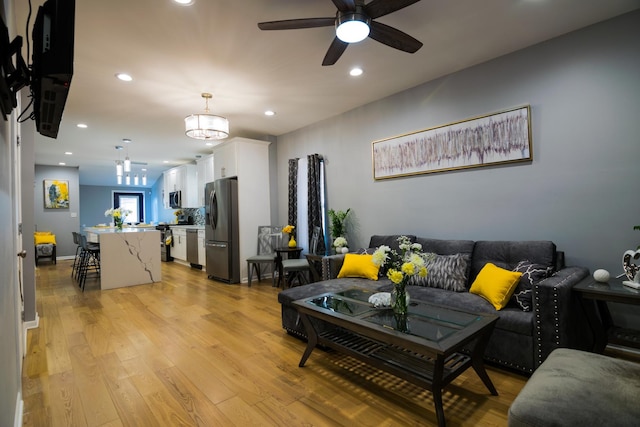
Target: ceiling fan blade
392 37
295 24
345 5
335 51
378 8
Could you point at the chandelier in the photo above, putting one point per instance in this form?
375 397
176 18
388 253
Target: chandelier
206 126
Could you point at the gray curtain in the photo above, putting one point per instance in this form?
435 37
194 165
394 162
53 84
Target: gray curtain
314 204
293 192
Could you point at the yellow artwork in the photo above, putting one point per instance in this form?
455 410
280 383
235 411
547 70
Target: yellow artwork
56 194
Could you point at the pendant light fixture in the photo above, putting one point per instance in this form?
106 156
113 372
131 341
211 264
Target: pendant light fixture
135 179
127 180
127 160
119 162
206 126
119 178
144 179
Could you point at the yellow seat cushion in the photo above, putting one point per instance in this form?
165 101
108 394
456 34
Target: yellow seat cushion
495 284
41 239
356 265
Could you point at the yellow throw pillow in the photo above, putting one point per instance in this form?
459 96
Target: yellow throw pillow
41 233
356 265
495 284
41 239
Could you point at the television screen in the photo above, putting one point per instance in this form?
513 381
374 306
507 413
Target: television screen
52 67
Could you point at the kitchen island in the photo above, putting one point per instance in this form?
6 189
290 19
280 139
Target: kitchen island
128 257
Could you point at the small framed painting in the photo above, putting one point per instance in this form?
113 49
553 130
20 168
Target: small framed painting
56 194
492 139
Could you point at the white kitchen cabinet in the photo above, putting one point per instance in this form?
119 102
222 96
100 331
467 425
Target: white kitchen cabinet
179 248
182 178
248 160
205 175
202 255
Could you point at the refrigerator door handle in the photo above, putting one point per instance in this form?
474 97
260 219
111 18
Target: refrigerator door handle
214 210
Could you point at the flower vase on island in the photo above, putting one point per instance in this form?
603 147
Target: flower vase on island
118 215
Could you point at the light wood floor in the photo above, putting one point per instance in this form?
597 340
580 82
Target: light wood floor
192 351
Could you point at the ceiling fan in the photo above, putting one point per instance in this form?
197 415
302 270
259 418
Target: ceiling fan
354 14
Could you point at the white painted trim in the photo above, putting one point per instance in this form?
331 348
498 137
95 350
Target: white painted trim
17 418
33 324
65 257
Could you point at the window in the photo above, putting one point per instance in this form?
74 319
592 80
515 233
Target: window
133 202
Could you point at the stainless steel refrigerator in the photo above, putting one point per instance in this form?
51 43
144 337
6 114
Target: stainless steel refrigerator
221 230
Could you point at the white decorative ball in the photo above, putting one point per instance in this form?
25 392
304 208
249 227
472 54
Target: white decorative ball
345 250
601 275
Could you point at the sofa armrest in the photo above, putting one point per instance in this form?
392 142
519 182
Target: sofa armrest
559 317
331 266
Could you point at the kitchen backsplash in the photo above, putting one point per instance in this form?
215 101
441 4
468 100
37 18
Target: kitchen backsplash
196 213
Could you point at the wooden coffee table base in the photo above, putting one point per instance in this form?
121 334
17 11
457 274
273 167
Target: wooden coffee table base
431 373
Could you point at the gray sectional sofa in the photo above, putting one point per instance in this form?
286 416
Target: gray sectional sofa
522 339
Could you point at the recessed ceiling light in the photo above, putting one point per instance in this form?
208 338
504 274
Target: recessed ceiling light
82 126
269 113
126 140
208 144
143 169
62 163
165 161
124 77
357 71
68 153
184 2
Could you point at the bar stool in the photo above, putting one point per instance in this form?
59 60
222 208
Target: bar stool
76 259
89 260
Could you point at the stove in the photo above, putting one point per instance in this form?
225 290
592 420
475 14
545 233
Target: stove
166 235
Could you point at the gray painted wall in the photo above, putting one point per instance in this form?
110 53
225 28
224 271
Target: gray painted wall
10 325
94 200
62 222
580 190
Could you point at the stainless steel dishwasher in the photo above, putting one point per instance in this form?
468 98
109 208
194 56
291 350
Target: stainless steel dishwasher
192 248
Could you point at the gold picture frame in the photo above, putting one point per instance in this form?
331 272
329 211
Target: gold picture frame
493 139
56 194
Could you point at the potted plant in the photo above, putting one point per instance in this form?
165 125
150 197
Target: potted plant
338 221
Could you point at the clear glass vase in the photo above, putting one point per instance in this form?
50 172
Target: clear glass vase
400 299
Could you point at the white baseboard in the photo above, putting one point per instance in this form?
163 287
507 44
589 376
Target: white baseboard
32 324
17 419
66 257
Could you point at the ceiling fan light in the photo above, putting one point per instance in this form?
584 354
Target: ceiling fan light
206 126
352 27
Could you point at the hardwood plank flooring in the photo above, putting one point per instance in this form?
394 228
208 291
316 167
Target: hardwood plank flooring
189 351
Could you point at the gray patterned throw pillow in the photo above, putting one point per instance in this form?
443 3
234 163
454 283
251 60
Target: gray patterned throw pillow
531 274
447 272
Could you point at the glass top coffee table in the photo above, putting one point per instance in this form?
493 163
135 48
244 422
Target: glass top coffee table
422 347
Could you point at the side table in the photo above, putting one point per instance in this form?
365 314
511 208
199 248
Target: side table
599 317
292 253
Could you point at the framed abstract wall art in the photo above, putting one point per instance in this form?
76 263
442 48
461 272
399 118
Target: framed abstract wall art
493 139
56 194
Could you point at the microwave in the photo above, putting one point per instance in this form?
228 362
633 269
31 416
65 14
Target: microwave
175 199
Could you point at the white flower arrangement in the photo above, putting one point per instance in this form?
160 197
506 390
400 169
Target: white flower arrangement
340 242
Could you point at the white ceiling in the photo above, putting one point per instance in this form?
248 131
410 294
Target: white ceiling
175 53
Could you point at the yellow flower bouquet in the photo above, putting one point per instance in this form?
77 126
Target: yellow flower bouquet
400 268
